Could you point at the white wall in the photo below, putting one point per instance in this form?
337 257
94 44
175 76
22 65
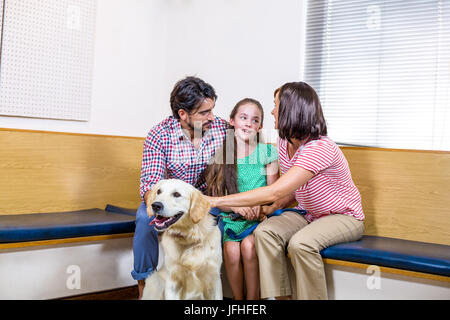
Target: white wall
243 48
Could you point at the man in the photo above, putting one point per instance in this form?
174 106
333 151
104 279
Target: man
179 147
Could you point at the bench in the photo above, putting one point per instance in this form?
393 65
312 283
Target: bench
402 254
395 256
63 225
41 253
33 229
60 172
404 192
409 255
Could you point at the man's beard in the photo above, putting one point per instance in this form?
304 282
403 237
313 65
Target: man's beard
197 129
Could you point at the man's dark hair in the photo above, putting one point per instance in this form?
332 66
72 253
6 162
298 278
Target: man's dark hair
189 94
300 114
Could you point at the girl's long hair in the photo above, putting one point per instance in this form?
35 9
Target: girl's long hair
221 173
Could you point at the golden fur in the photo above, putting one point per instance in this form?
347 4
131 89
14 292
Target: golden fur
190 247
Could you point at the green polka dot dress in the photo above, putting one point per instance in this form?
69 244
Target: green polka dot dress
251 174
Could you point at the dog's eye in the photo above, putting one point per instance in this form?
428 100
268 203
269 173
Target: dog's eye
176 194
159 191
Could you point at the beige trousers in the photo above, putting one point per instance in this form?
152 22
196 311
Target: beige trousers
303 241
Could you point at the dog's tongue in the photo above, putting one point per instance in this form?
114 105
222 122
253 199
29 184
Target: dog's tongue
159 219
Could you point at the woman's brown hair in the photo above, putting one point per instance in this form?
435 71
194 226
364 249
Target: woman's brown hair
300 113
221 174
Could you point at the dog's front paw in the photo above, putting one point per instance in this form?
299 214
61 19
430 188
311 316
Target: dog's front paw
154 288
172 292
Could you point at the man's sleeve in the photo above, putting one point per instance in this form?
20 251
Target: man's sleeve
153 163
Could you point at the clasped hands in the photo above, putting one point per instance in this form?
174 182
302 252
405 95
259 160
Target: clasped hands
254 213
249 213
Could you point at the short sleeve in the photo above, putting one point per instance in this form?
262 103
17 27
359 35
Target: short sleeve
266 153
316 156
272 154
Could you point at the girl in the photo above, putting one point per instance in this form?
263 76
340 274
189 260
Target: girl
242 164
316 174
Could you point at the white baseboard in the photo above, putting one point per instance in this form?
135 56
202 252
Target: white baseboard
358 284
48 272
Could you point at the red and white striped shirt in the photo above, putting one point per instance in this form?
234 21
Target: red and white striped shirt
331 190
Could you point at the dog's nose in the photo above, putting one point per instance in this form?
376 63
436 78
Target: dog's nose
157 206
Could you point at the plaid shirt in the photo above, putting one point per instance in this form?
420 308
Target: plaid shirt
169 154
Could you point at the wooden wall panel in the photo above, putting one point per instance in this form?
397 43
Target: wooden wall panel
405 193
51 172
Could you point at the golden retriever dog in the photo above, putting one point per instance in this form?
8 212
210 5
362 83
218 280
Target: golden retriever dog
190 245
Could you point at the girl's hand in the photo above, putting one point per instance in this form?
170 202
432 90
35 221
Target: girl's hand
243 211
246 212
256 213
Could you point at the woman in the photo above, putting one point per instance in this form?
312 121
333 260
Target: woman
315 173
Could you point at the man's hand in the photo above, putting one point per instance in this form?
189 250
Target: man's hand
248 213
146 196
285 202
268 209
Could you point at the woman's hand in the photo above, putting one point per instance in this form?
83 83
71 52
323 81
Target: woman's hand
212 200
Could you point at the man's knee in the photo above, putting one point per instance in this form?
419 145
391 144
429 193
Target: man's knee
302 246
145 236
141 214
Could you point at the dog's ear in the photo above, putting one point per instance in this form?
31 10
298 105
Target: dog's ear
151 198
199 206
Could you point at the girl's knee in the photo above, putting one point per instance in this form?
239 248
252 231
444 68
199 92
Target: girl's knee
232 252
248 248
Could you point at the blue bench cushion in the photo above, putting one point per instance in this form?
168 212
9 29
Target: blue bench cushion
388 252
45 226
395 253
116 209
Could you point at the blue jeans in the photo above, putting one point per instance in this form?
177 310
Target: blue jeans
145 245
